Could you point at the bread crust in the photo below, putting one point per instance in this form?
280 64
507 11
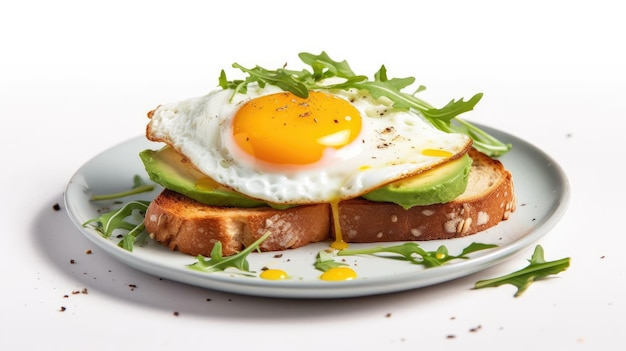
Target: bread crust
193 228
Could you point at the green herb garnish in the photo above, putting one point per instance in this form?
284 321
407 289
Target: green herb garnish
129 218
413 253
323 67
218 263
139 186
325 261
536 270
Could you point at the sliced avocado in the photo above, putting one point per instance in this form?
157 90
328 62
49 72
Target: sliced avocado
437 185
171 170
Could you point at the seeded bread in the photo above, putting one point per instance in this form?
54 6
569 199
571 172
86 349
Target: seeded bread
488 200
193 228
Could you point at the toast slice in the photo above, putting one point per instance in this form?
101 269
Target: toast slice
193 228
488 199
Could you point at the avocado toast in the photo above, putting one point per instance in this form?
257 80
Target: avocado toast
177 218
316 154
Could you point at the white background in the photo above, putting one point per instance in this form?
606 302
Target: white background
78 77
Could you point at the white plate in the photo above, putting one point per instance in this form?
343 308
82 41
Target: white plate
542 192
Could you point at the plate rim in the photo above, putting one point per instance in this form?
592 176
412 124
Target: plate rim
321 289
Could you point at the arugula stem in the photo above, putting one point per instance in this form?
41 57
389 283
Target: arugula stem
134 191
364 251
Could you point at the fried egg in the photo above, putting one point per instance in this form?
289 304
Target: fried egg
274 146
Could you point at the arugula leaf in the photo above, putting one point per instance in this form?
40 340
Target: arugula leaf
139 186
281 78
537 269
219 263
129 218
323 67
325 261
413 253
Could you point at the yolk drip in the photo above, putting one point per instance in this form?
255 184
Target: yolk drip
282 128
338 244
339 273
273 274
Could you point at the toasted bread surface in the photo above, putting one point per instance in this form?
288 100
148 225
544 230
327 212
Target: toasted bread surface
193 228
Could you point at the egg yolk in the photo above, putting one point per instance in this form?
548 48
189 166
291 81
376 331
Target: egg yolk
273 274
339 273
283 129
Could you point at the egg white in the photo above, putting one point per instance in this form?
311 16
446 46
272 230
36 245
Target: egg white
389 148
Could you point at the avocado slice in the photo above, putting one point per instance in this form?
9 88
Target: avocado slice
437 185
171 170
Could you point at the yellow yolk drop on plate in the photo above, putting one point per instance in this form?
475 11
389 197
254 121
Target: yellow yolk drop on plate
338 274
273 274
